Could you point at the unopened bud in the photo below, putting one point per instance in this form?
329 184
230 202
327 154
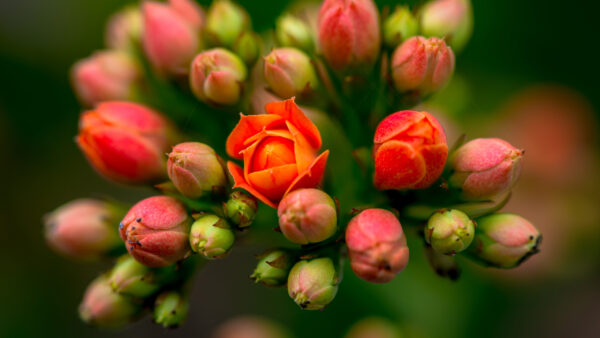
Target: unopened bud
211 237
313 284
292 31
241 208
124 29
399 26
171 309
250 327
247 47
374 327
217 76
443 265
449 19
225 22
273 268
449 231
289 72
132 278
103 307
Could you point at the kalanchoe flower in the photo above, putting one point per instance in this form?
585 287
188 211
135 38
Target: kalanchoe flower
103 307
273 268
399 26
448 19
289 72
443 265
105 76
313 284
211 237
196 170
485 167
504 240
155 231
171 309
374 327
250 327
349 34
83 229
449 231
240 209
217 76
292 31
376 245
279 150
247 47
307 216
410 151
124 29
132 278
225 22
422 65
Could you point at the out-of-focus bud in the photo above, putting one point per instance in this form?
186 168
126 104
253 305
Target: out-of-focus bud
313 284
374 327
132 278
125 142
105 76
196 170
349 34
292 31
171 309
124 29
448 19
241 208
288 72
422 65
504 240
410 151
225 22
217 76
399 26
155 231
273 268
250 327
247 47
103 307
443 265
449 231
376 245
307 216
211 237
485 167
83 229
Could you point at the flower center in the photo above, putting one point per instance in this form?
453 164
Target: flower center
273 152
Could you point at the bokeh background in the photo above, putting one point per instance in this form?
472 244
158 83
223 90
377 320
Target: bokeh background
529 74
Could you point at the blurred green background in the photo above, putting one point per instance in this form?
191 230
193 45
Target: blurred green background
515 44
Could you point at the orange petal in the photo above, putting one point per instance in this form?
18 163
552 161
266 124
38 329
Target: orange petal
279 132
273 182
313 176
246 128
290 112
395 124
304 152
398 166
239 182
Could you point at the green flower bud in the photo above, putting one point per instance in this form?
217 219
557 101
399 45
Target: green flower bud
103 307
291 31
241 208
399 26
443 265
313 284
273 268
449 19
170 309
211 237
247 47
131 278
289 72
449 231
225 22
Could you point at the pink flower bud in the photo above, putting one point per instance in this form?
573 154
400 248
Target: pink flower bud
376 245
289 73
349 33
375 327
125 142
251 327
422 65
410 151
83 229
217 76
485 167
105 76
124 29
313 284
156 230
449 19
307 216
103 307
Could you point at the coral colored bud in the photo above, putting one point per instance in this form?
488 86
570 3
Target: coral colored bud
155 231
410 151
399 26
105 76
125 142
504 240
449 231
313 284
241 208
349 33
485 167
132 278
103 307
247 47
292 31
273 268
196 170
217 76
443 265
211 237
307 216
251 327
171 309
83 229
124 29
448 19
422 65
225 22
374 327
289 73
376 245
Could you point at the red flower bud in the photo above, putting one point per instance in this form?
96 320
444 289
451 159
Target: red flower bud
103 307
485 167
156 230
216 76
349 33
410 151
376 245
125 142
423 65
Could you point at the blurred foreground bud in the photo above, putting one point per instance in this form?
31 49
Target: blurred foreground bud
105 76
155 231
399 26
443 265
449 231
349 34
103 307
247 47
196 170
410 151
225 22
313 284
448 19
504 240
124 29
211 237
422 65
217 76
273 268
374 327
241 208
376 245
288 72
132 278
170 309
83 229
307 216
250 327
485 167
292 31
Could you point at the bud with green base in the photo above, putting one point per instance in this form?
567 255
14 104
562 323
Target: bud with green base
247 47
399 26
103 307
289 72
313 283
443 265
225 22
449 231
240 209
273 268
171 309
449 19
211 236
131 278
292 31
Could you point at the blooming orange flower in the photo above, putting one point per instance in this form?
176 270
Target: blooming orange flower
279 150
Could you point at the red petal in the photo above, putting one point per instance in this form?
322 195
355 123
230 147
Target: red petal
395 124
435 159
313 176
398 166
290 112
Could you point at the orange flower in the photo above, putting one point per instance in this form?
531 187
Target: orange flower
279 150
